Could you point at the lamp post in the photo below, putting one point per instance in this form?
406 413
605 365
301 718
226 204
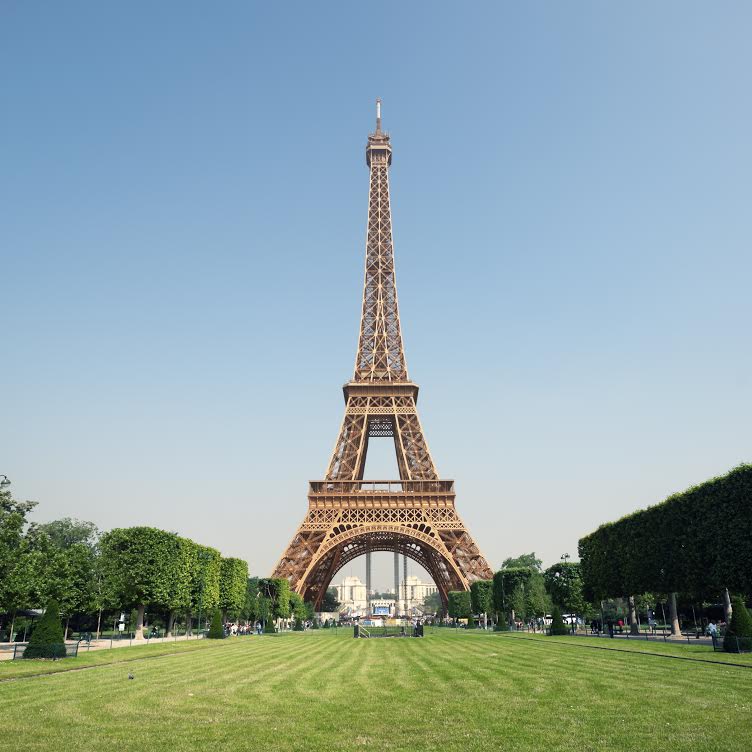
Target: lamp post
4 483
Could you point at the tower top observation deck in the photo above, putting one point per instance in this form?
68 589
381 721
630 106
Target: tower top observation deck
378 148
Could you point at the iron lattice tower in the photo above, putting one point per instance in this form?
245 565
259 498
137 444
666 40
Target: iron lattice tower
347 515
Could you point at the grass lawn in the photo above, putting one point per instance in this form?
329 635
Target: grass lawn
451 690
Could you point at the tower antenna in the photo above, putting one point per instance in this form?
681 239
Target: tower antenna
378 115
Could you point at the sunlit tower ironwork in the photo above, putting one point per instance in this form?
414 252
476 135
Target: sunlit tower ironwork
348 516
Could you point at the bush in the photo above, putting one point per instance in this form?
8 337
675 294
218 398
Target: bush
216 631
315 624
269 627
738 637
326 624
47 640
298 626
558 627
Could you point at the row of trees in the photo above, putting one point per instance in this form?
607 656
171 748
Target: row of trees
522 590
127 568
696 543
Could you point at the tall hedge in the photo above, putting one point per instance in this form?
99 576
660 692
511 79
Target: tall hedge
697 542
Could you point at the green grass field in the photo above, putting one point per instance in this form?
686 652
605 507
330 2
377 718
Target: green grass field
324 691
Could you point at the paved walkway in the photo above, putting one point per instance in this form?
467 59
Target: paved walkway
6 648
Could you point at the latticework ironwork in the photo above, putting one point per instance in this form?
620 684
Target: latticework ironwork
415 515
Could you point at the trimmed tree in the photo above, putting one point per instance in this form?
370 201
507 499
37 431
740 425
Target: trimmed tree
139 567
47 639
481 598
738 637
233 585
558 627
460 606
216 631
204 581
179 599
696 542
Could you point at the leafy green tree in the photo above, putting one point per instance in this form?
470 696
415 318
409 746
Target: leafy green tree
139 567
15 570
432 603
460 606
181 584
216 631
67 532
297 607
481 598
250 611
525 561
330 602
47 639
265 611
277 591
205 575
537 600
233 585
738 637
563 582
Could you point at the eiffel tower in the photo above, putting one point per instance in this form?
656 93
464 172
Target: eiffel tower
348 516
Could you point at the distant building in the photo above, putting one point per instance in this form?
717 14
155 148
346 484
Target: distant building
417 590
351 594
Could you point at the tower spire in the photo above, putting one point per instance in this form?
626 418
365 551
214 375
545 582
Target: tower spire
380 356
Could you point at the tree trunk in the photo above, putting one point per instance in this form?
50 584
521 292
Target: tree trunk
140 622
673 615
170 624
189 623
65 634
12 625
727 610
633 626
99 623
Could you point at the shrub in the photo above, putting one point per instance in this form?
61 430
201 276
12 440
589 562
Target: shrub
216 631
46 640
738 636
326 624
298 625
558 627
269 626
315 624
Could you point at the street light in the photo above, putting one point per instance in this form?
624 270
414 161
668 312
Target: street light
5 482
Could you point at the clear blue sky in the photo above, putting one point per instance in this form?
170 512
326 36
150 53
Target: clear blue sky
182 219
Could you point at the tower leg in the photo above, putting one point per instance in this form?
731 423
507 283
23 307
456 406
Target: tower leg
396 584
404 580
368 584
